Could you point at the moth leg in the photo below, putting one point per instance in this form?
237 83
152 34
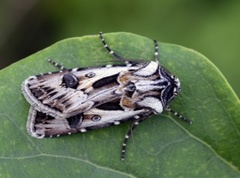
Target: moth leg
156 50
60 66
109 49
179 115
128 135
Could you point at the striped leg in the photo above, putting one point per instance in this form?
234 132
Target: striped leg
130 132
179 116
136 123
109 49
127 136
156 50
61 67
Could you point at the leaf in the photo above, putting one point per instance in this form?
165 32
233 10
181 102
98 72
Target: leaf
162 146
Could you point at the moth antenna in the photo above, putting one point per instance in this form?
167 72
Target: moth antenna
179 116
60 66
109 49
156 50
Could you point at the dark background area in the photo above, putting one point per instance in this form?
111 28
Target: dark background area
209 27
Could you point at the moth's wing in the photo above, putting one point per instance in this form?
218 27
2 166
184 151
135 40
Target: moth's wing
67 93
41 125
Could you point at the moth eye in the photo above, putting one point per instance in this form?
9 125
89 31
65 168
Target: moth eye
70 80
90 74
168 95
164 83
96 118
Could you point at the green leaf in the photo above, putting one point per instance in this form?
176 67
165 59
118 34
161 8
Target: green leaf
162 146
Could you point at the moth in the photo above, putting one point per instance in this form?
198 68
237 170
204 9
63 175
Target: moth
80 99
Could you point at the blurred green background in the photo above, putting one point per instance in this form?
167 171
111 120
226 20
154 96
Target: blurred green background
211 27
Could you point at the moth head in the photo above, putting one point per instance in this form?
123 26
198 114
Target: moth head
171 89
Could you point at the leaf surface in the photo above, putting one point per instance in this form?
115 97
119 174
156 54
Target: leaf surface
162 146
